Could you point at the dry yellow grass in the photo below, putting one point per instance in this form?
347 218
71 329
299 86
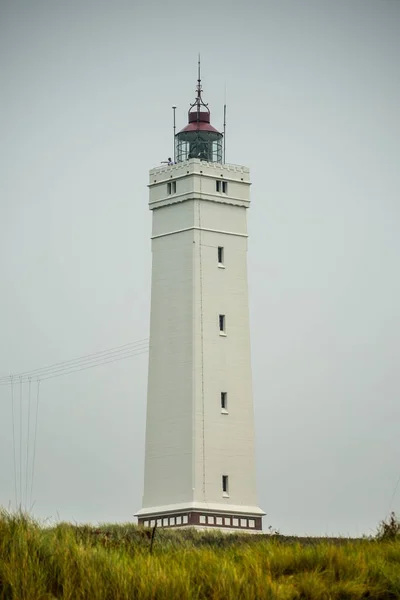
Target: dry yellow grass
114 562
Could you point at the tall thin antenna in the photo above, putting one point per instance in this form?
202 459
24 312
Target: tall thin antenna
174 110
225 125
224 133
199 90
198 102
198 75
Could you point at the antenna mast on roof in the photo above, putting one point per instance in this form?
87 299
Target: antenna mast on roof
199 102
199 75
224 132
224 154
199 90
174 121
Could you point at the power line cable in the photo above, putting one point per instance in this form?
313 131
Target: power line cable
34 442
27 445
93 362
42 372
20 442
51 376
34 372
82 363
137 352
13 439
97 364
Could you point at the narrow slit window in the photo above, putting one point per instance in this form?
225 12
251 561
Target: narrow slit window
224 401
224 187
174 187
169 188
220 255
222 323
225 484
218 185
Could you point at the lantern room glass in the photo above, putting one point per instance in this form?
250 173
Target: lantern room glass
205 145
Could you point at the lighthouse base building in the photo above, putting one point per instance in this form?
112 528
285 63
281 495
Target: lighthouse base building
199 455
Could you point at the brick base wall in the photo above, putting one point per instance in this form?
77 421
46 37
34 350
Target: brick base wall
202 519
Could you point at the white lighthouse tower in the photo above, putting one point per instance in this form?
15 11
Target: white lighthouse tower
199 457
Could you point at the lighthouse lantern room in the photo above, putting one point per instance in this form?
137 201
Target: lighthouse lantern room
199 139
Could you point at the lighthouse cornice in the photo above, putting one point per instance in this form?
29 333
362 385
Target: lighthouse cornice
219 231
197 166
197 196
169 176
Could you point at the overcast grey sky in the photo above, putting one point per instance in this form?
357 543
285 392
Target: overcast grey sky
313 91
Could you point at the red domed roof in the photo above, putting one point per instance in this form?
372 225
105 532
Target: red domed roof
199 121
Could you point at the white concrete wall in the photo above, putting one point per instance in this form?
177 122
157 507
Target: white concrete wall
168 461
173 218
223 363
190 444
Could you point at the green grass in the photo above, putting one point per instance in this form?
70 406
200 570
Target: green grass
114 562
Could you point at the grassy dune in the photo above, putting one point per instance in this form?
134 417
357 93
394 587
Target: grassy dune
116 562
